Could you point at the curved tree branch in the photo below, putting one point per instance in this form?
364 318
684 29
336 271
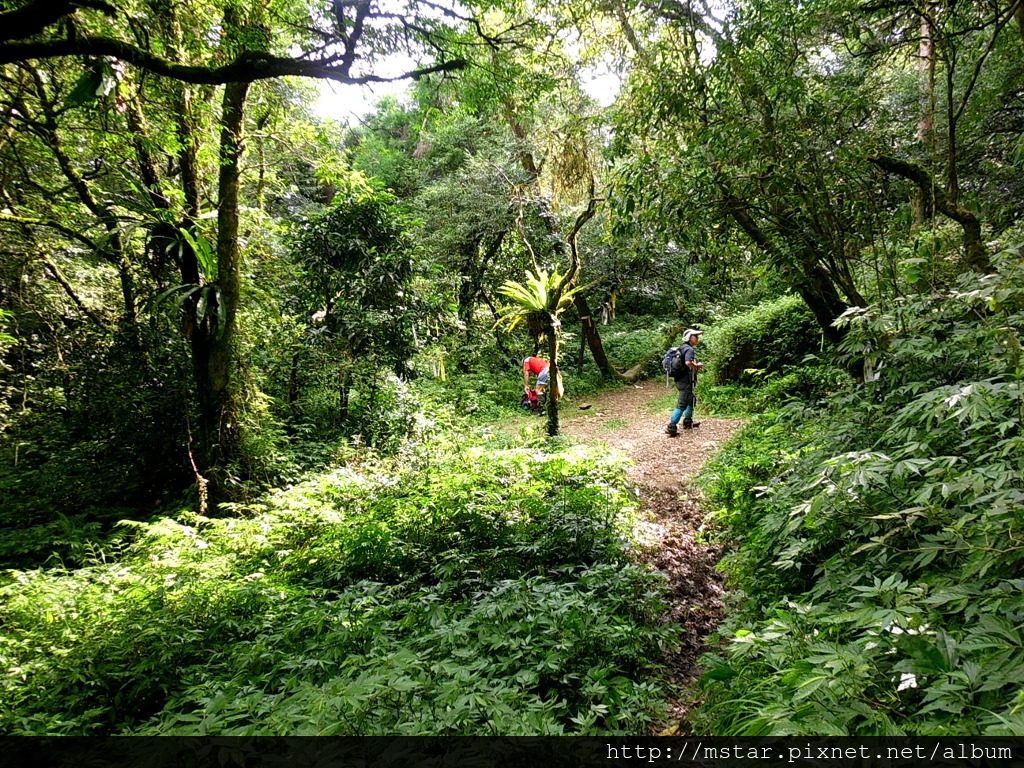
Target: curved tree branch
51 224
977 257
35 16
246 68
57 275
574 255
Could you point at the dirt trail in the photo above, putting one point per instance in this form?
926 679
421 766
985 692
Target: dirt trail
663 470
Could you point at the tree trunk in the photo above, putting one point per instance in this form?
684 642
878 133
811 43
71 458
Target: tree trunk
581 357
478 258
198 332
593 340
822 298
129 318
553 378
812 282
344 395
293 385
952 155
217 338
926 120
188 151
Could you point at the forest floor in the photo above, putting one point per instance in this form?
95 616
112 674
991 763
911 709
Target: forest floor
633 421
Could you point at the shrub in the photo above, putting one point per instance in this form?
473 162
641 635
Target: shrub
492 391
465 590
876 538
627 342
768 338
106 443
803 384
638 340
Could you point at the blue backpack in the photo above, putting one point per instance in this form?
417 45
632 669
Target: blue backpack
672 362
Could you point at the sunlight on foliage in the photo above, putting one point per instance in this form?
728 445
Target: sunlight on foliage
468 589
876 538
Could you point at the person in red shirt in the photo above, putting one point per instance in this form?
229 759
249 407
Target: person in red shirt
536 366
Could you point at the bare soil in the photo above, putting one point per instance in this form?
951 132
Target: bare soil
663 469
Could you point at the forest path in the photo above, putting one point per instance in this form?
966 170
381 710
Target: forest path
633 421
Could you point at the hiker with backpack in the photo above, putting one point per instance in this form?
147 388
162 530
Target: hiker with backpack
681 364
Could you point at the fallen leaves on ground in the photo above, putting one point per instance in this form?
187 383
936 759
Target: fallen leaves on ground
671 533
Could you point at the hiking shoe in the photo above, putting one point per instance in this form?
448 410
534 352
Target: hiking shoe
690 424
672 430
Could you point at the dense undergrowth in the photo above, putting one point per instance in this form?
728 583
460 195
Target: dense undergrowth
61 496
875 538
488 393
484 588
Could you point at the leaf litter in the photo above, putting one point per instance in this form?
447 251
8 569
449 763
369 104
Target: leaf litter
674 517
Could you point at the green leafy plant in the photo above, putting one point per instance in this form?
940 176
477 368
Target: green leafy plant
537 300
460 588
767 339
876 538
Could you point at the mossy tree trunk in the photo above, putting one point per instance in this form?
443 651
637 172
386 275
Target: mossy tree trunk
216 365
552 333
